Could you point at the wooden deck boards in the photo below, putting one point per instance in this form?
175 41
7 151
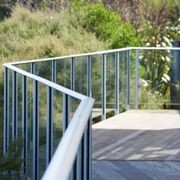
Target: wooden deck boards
135 170
138 135
148 138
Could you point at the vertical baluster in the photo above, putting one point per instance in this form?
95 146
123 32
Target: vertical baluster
32 68
65 73
14 106
79 163
74 171
128 80
65 112
31 123
104 87
36 131
49 126
89 76
50 110
25 123
137 80
89 149
73 73
54 70
83 156
117 83
85 144
6 109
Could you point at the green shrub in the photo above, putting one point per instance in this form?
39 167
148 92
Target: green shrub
12 161
106 24
4 12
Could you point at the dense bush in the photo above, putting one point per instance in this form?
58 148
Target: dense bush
106 24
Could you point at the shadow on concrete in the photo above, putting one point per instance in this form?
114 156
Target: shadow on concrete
128 144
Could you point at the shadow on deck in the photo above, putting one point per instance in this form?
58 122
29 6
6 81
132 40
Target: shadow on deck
137 145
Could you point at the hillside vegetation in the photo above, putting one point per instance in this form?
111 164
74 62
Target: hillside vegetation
27 35
36 34
30 33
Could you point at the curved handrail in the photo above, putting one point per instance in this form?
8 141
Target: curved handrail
46 82
69 143
72 137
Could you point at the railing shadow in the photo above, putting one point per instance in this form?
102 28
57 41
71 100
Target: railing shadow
128 144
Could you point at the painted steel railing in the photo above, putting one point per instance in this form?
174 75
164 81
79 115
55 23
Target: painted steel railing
80 121
38 110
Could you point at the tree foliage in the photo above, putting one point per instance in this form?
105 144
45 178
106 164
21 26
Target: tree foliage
106 24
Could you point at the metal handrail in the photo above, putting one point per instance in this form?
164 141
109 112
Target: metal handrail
46 82
93 53
69 143
73 134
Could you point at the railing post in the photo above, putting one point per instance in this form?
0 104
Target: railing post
33 71
79 163
32 68
36 131
54 71
6 108
65 112
86 156
128 80
73 73
66 116
66 119
137 80
14 106
75 168
89 71
65 73
89 152
104 87
25 123
117 83
49 126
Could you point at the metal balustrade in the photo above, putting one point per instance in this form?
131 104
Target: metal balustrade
55 96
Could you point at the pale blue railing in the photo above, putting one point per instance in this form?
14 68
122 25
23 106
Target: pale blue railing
50 100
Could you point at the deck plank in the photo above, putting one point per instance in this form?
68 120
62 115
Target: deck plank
138 135
135 170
